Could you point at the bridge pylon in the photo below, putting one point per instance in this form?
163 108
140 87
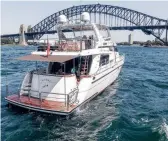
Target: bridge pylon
22 39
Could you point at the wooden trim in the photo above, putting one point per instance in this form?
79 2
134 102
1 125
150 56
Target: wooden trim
37 109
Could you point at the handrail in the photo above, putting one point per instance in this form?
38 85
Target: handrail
49 74
68 99
67 45
49 92
96 73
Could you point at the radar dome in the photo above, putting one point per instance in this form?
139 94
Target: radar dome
62 19
85 17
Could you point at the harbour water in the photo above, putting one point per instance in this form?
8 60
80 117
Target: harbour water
134 108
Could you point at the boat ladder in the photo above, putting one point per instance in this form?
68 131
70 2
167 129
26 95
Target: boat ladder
85 64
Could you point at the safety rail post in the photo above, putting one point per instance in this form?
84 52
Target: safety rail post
67 102
40 99
19 94
29 94
166 40
6 90
65 83
76 93
81 38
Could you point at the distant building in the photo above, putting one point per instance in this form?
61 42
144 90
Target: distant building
130 40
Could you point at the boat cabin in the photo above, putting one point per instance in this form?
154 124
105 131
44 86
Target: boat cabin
78 37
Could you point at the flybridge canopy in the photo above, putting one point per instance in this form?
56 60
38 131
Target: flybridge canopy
53 58
80 27
75 27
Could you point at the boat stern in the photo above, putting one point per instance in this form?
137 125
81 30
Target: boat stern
46 106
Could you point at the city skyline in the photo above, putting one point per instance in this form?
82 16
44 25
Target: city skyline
30 13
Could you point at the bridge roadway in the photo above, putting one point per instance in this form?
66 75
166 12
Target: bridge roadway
30 34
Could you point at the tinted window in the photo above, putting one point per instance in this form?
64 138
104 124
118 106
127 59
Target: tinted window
104 59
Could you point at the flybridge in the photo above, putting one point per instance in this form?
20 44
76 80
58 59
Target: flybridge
78 42
80 66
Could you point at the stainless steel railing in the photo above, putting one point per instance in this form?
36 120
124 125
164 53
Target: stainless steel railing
71 44
69 99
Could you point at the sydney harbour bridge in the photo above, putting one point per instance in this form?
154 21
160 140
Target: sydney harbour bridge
116 18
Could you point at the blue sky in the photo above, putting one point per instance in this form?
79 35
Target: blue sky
15 13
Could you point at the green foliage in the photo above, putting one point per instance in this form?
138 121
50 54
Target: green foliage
6 41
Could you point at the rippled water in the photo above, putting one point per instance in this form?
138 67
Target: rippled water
134 108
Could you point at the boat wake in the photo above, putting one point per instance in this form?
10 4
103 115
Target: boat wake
97 115
165 128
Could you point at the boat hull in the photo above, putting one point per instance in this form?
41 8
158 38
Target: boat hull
97 86
98 83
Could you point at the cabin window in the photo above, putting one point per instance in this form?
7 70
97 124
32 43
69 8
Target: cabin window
104 59
79 65
56 68
71 67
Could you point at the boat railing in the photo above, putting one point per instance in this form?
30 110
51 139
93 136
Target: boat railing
69 99
44 72
71 45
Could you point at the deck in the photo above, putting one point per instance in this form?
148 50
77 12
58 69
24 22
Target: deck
37 105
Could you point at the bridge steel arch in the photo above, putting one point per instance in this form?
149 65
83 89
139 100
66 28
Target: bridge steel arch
124 16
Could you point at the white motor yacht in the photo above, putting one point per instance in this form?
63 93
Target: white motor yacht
81 65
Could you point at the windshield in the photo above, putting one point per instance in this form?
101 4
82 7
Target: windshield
76 32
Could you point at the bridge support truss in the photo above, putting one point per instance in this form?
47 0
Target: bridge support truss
106 14
117 18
